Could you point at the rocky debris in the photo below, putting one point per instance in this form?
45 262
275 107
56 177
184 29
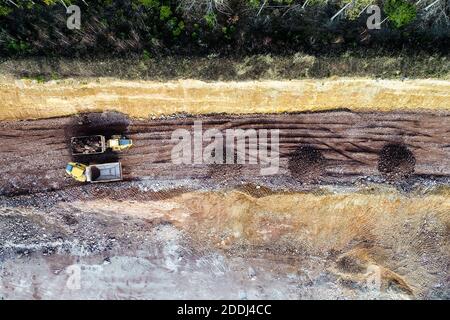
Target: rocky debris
133 250
86 145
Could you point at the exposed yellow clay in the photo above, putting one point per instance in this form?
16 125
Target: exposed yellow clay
26 99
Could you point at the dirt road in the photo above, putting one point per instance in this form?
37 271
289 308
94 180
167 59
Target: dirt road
342 148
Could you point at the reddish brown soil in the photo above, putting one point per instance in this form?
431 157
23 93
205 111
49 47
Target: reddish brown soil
344 148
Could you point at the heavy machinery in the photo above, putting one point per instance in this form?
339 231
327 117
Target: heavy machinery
105 172
76 171
119 143
98 144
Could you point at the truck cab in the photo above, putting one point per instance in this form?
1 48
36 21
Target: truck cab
119 143
77 171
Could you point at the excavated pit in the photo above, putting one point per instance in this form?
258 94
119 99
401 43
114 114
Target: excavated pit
307 164
396 162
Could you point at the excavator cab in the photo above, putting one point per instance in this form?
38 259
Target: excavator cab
119 143
76 171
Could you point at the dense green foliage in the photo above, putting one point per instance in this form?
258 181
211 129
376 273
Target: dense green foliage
400 12
151 28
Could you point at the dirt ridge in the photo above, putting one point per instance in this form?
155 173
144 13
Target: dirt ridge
29 99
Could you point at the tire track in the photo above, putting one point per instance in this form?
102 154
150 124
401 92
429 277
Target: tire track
33 154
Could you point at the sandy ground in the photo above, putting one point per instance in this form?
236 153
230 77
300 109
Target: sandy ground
229 245
27 99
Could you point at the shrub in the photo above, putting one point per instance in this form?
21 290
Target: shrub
228 27
4 11
354 10
18 47
164 12
399 12
210 19
150 3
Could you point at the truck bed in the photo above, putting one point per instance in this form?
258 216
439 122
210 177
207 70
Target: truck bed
87 145
104 172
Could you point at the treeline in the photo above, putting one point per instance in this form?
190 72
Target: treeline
227 27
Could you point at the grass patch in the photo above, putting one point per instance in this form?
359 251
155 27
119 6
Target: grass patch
213 68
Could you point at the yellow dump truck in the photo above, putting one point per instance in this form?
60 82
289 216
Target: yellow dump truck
105 172
98 144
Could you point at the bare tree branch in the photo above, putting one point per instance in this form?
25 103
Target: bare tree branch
340 11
